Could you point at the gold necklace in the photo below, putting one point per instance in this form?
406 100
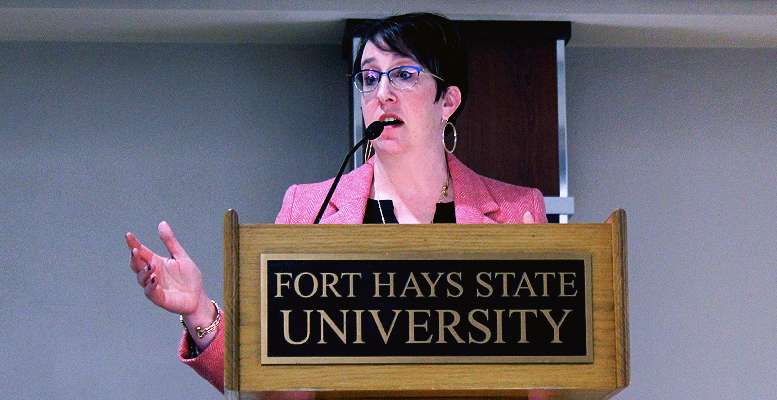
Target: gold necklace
444 191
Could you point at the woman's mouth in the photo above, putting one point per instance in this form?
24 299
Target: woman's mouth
390 120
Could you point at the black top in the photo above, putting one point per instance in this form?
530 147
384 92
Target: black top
444 214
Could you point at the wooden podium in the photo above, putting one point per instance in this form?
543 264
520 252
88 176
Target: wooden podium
253 372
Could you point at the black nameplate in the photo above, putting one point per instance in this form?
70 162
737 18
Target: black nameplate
360 309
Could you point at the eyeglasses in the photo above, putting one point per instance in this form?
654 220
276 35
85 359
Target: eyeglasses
402 77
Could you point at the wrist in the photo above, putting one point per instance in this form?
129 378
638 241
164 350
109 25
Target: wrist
206 313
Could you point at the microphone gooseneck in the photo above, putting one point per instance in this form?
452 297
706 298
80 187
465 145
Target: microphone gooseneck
372 132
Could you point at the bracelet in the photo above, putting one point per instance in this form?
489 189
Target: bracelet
201 332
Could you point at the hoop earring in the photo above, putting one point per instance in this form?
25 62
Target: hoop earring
367 150
455 137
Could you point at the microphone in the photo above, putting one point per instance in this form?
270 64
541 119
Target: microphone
371 133
375 129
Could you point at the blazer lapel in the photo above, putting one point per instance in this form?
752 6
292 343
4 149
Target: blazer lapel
349 201
473 201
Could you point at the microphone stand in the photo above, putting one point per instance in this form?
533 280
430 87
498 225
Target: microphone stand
372 132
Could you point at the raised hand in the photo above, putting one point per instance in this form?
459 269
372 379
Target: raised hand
173 283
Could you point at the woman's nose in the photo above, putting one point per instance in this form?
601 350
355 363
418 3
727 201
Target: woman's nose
384 91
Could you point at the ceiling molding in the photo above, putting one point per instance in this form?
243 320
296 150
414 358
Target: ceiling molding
730 24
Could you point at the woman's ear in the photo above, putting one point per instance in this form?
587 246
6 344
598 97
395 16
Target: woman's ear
451 101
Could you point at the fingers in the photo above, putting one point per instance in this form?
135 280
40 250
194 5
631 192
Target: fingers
171 243
149 267
132 240
149 278
152 290
528 218
146 256
144 274
135 263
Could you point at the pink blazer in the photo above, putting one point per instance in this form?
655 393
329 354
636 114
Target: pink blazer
477 200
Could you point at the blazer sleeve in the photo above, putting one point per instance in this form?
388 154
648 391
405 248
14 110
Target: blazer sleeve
538 207
209 364
284 216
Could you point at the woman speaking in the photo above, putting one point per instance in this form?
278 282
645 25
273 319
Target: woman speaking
411 71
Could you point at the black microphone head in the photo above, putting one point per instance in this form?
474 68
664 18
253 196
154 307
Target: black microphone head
376 128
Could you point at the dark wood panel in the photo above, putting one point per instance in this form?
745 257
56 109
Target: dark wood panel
508 129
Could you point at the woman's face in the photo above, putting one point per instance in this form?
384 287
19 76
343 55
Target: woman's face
421 117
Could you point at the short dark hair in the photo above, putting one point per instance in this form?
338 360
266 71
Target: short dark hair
431 39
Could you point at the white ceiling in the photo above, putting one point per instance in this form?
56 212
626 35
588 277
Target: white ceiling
659 23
